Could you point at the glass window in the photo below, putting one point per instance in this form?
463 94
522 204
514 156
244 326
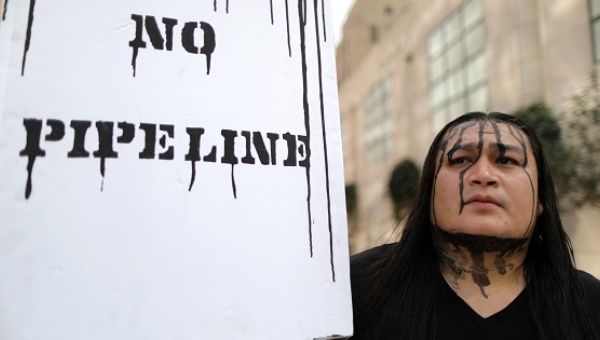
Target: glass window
458 107
378 121
439 119
474 40
595 6
478 99
476 71
473 11
454 55
595 22
436 42
453 29
437 68
457 84
596 32
458 78
439 94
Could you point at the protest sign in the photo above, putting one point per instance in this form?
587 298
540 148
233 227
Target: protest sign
171 170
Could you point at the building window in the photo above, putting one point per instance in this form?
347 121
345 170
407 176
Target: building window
457 64
379 130
595 17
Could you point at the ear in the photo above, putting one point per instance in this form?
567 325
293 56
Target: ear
540 209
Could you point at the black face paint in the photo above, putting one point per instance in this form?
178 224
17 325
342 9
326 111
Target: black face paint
464 171
501 146
477 246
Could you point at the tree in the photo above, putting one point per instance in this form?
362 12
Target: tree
583 132
557 152
402 186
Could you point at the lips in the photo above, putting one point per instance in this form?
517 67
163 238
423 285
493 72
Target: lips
483 199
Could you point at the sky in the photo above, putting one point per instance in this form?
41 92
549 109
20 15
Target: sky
339 9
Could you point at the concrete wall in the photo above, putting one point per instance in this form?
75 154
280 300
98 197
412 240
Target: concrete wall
535 50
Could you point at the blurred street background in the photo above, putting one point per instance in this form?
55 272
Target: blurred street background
407 67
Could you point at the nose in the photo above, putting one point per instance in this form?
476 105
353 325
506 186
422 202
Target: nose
482 173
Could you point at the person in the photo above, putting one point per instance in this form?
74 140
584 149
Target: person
483 254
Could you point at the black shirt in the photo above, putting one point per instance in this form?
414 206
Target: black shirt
456 320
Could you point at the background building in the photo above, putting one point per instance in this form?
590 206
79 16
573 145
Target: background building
405 68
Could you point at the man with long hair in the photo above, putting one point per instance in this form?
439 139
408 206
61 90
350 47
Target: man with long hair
483 254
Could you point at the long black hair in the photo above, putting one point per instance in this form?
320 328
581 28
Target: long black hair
403 284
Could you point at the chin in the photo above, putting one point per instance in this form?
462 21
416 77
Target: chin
484 228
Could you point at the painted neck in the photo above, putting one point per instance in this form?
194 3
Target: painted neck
482 264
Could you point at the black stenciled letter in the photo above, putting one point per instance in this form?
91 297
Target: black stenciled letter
264 156
187 37
156 38
209 43
170 131
128 132
304 150
33 128
169 24
105 140
150 140
80 128
193 154
138 41
248 159
105 146
229 147
57 130
291 147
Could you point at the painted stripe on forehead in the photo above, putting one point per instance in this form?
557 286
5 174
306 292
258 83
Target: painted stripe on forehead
521 139
501 146
459 140
461 183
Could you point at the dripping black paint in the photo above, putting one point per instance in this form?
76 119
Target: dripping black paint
302 8
28 35
4 10
305 109
324 135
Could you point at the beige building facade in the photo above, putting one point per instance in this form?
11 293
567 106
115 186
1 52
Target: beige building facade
406 67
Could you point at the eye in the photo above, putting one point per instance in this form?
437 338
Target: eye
503 160
459 160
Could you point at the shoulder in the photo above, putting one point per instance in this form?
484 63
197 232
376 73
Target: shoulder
591 293
363 260
364 269
591 288
364 265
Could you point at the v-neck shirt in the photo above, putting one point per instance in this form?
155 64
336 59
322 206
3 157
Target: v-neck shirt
457 320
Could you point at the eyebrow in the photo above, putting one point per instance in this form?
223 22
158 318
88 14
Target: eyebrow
473 146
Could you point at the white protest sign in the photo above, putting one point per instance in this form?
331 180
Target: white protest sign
171 170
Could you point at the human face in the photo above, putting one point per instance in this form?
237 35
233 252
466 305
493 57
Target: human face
486 181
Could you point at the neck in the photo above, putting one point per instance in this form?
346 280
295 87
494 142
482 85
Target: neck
481 267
